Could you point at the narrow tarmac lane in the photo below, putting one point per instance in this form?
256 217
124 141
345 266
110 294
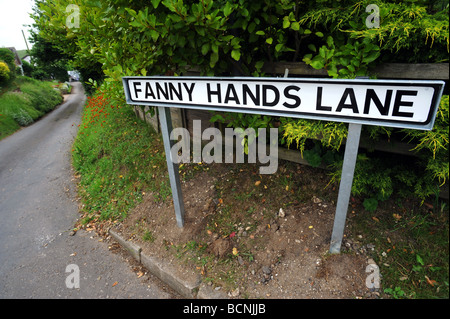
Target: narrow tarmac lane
38 211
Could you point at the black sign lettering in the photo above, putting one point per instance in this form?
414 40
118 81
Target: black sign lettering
254 97
398 102
164 92
296 98
136 90
149 91
319 105
210 92
189 90
272 88
372 96
178 93
231 94
349 92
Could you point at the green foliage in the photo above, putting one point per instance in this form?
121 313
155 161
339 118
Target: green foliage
7 67
25 102
117 38
108 155
370 204
433 145
4 73
347 60
237 37
318 155
41 95
241 122
48 62
330 134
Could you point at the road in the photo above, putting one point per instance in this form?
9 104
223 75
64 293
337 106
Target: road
38 211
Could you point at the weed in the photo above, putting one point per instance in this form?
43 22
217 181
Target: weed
148 236
396 293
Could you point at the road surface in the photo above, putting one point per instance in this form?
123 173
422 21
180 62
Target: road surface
38 211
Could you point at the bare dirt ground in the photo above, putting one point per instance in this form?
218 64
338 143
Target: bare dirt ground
252 235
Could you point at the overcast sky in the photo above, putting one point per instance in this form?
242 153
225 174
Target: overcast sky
13 15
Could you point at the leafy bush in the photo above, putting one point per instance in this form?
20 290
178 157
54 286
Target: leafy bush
42 96
27 101
239 37
7 57
4 73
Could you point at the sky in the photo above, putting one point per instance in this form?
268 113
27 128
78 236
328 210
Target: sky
13 15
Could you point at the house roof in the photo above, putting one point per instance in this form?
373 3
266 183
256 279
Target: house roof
17 59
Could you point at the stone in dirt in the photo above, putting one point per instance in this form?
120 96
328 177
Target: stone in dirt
220 247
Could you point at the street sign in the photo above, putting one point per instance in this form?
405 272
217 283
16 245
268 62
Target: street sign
394 103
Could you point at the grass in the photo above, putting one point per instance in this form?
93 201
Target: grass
24 102
117 157
412 247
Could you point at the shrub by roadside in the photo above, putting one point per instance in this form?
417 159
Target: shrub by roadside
25 101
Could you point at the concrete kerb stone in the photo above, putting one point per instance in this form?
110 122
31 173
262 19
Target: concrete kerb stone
188 284
129 246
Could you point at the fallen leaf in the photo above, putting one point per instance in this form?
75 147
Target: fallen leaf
140 274
310 227
375 219
397 216
232 234
257 183
114 284
235 251
430 282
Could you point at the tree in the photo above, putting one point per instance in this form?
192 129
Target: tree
49 62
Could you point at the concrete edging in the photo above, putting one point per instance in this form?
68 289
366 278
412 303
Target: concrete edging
189 286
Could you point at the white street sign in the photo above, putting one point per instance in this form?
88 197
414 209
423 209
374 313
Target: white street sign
394 103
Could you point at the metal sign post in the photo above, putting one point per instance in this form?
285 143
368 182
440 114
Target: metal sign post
345 186
393 103
172 167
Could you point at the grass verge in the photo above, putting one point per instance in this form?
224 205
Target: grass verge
25 101
117 158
